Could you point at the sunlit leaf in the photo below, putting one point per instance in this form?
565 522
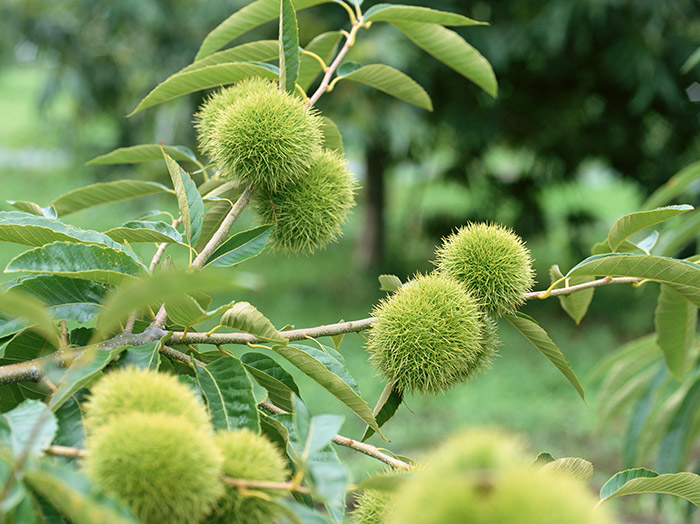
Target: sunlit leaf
143 153
288 46
389 283
244 317
576 304
188 199
260 51
241 246
640 480
138 231
324 46
577 468
332 139
629 224
392 82
391 12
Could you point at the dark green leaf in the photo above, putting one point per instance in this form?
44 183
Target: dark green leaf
144 231
392 82
243 316
288 46
145 356
188 199
676 322
269 374
639 417
390 12
241 246
386 408
70 424
677 439
143 153
28 429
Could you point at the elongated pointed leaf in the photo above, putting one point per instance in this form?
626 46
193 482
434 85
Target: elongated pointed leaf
241 246
138 231
577 468
629 224
106 193
391 12
288 46
244 317
32 208
329 373
332 138
188 199
452 50
675 443
87 261
576 304
184 310
145 356
245 19
637 481
229 394
676 321
203 78
392 82
28 429
279 384
144 153
538 337
212 220
674 186
260 51
323 45
681 275
639 418
386 408
18 304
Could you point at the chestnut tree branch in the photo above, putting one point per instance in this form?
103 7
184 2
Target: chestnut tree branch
264 484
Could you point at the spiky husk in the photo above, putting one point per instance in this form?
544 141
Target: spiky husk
248 455
146 391
266 138
428 335
217 102
371 507
309 212
492 262
164 467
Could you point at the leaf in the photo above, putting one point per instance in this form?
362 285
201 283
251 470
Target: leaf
21 305
189 200
637 481
324 46
144 231
543 458
332 138
260 51
629 224
70 424
13 491
229 394
640 415
452 50
64 298
314 433
674 186
86 261
691 62
576 304
386 408
203 78
75 496
288 46
389 283
212 220
244 317
145 356
28 429
245 19
329 373
676 322
241 246
183 310
143 153
538 337
681 275
298 513
273 377
577 468
392 82
391 12
32 208
677 438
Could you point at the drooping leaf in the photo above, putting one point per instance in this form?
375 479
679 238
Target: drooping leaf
640 480
241 246
203 78
676 322
138 231
676 440
576 304
245 19
674 186
18 304
538 337
386 408
391 12
87 261
260 51
189 200
577 468
70 424
144 153
392 82
389 283
28 429
629 224
324 46
639 417
229 394
269 374
452 50
332 139
243 316
288 46
32 208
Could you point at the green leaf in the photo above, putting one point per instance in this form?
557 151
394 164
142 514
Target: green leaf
25 512
691 62
392 82
212 220
244 317
390 12
683 231
188 199
538 337
13 491
241 246
676 322
70 424
332 138
229 394
452 50
323 45
32 208
543 458
332 375
577 468
637 481
138 231
245 19
576 304
297 513
184 310
143 153
19 304
86 261
386 408
260 51
75 496
269 374
314 433
629 224
203 78
676 441
674 186
28 429
288 46
639 417
145 356
65 298
389 283
681 275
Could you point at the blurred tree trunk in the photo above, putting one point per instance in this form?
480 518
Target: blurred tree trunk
370 251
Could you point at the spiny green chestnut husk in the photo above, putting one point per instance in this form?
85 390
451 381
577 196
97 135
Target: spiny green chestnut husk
217 103
248 455
309 212
164 467
492 262
428 335
371 507
266 138
146 391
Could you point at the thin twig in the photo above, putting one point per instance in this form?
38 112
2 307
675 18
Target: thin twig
264 484
580 287
65 451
